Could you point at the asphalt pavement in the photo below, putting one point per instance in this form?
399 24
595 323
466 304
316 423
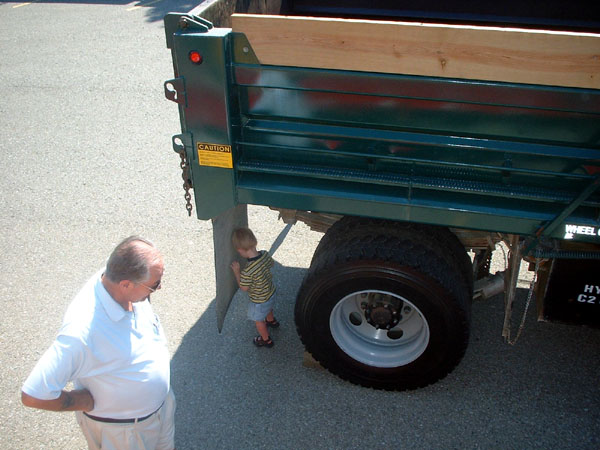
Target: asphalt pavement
85 133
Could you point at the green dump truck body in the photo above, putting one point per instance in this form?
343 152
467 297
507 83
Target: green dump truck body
407 173
462 153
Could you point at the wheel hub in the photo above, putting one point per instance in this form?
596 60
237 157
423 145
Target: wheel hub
382 314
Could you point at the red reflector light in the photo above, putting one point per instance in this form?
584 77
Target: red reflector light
195 57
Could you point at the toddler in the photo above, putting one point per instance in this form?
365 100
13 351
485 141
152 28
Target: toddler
257 280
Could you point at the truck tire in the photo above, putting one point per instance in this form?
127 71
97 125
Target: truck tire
385 311
436 238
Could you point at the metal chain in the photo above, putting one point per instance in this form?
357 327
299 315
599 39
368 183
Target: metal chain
185 174
529 296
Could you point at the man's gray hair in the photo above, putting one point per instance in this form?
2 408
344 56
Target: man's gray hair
131 260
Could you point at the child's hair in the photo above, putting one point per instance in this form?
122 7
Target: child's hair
243 238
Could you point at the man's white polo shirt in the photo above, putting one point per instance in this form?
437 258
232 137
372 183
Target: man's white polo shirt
121 357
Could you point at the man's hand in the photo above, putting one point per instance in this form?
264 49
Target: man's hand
75 400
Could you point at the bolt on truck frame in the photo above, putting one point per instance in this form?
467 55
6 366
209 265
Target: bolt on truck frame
409 145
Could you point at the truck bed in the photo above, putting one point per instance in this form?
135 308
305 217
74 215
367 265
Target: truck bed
466 152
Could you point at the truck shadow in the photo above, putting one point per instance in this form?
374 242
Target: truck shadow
541 392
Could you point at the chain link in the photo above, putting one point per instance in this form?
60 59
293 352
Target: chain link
187 185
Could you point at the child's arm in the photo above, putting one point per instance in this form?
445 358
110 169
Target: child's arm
235 266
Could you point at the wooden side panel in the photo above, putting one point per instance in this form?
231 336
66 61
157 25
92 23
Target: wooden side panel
479 53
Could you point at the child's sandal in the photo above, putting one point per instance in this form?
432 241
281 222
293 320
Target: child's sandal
273 323
260 342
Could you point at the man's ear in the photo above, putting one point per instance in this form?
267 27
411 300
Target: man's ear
126 284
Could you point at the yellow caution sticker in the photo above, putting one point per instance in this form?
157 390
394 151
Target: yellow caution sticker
215 155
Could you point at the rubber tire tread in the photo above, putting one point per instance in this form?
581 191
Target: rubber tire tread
349 227
406 247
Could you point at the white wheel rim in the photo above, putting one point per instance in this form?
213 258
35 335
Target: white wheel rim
361 340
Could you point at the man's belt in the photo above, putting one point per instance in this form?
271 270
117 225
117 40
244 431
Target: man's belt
109 420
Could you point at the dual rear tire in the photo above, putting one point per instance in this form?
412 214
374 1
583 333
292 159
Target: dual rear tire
386 305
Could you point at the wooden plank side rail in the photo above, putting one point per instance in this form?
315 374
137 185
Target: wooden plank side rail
554 58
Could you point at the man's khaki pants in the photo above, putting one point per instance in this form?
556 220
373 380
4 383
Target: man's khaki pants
155 433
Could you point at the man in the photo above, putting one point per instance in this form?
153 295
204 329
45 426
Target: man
112 347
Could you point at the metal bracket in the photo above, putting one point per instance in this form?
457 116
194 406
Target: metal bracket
189 22
548 228
182 142
175 91
510 282
175 22
242 50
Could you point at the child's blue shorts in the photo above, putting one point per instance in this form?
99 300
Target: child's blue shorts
258 311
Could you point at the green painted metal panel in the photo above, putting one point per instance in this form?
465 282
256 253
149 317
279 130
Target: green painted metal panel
206 117
463 153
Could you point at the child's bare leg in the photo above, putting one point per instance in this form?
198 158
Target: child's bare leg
270 316
261 327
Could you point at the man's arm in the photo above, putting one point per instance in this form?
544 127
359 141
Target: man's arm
75 400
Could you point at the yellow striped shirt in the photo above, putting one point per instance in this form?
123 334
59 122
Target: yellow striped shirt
257 277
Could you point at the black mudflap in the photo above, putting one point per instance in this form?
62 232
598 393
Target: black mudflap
573 293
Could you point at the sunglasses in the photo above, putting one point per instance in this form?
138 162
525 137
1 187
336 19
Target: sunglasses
153 288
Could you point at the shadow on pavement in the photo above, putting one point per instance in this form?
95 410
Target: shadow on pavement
542 393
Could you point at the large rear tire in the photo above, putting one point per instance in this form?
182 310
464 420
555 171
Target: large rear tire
438 239
387 311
